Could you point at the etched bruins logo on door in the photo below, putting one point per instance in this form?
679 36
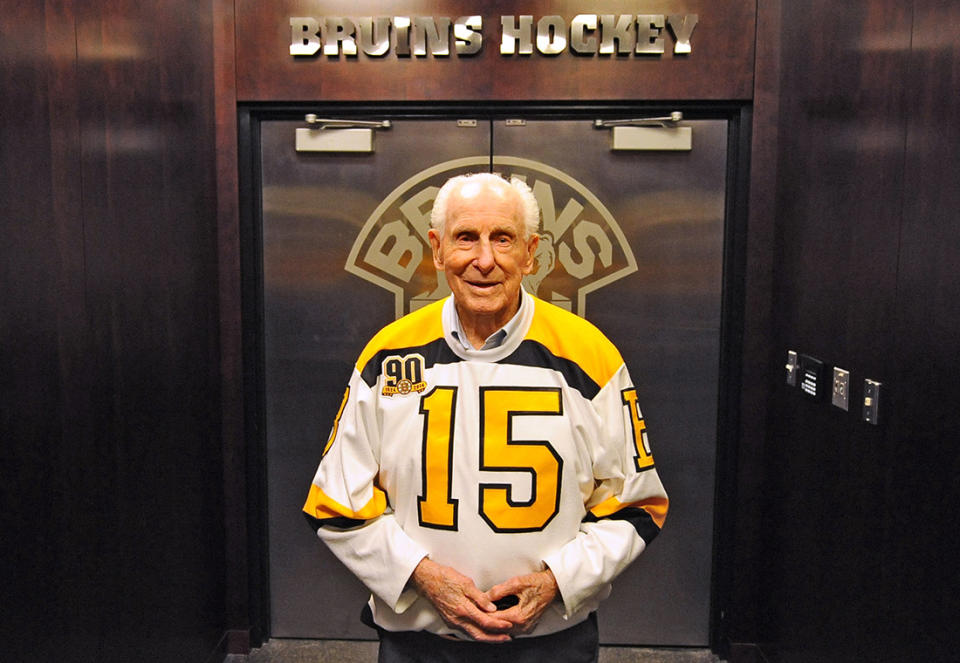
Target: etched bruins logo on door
582 247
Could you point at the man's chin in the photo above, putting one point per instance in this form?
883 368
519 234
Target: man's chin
479 306
482 303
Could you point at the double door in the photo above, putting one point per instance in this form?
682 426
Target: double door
632 240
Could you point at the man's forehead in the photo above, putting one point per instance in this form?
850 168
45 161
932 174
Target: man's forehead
485 222
471 188
483 199
494 215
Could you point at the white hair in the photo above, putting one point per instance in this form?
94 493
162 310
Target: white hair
529 209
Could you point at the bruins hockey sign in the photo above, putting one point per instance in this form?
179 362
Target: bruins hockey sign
418 36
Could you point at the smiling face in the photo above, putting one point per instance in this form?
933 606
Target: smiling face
484 252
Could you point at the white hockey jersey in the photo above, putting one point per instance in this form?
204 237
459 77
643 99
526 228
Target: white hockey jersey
495 462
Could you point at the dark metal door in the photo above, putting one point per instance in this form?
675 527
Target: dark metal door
635 245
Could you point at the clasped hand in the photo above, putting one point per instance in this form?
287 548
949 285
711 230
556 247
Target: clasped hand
463 606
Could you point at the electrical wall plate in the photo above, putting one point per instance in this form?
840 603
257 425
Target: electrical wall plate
841 388
871 401
792 369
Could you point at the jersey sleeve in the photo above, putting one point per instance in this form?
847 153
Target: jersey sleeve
627 508
350 512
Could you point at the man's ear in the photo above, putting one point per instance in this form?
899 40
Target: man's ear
435 247
530 257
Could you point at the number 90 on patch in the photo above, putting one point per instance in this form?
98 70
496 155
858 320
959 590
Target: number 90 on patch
403 375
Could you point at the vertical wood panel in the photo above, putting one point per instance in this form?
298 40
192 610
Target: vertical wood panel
147 131
108 379
237 544
923 481
42 325
838 209
740 537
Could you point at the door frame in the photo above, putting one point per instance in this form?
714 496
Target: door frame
733 297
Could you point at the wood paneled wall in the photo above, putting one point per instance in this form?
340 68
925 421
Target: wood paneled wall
111 406
109 437
922 480
858 561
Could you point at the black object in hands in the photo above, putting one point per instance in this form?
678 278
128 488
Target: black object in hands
506 602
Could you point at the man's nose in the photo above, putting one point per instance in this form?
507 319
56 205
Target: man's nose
483 259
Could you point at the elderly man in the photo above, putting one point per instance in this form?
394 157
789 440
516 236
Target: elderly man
488 474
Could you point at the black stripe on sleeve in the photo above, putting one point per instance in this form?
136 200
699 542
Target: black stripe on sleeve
640 519
339 523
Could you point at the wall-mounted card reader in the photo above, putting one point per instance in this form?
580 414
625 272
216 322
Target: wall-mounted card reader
813 377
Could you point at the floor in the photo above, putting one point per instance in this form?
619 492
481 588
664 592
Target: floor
353 651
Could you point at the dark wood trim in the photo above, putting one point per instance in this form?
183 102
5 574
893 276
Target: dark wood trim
742 498
731 350
237 608
251 286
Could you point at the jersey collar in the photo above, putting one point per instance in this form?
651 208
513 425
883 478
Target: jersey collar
500 343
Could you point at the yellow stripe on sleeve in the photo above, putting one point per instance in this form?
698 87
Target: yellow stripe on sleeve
320 505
